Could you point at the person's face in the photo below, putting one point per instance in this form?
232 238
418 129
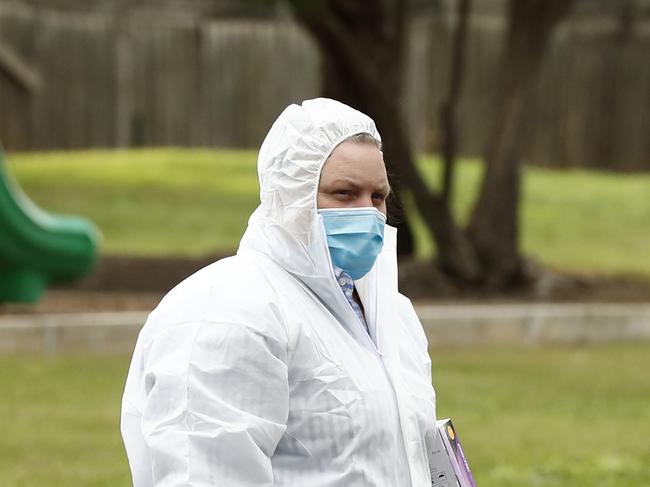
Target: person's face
354 176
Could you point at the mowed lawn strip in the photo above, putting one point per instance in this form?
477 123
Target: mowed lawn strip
61 422
544 417
570 417
149 202
197 201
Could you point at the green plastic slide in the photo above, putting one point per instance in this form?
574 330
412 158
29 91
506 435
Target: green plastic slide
37 248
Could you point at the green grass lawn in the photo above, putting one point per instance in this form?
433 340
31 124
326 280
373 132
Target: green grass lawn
562 417
195 202
542 417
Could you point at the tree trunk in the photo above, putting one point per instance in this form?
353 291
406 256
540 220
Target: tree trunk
362 50
494 225
448 124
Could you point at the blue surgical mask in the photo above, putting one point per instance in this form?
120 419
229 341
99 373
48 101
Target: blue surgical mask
355 237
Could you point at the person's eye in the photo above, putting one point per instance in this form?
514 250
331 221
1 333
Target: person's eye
379 196
345 193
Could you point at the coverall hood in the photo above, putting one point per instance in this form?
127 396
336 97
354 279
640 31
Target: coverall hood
286 226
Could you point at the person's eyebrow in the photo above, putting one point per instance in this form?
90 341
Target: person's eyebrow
384 188
352 183
345 182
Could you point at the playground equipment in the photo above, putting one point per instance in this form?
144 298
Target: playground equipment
38 248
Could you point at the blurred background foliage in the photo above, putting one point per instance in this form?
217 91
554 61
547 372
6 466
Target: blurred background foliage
193 202
512 84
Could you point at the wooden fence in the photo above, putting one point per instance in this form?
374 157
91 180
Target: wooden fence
80 79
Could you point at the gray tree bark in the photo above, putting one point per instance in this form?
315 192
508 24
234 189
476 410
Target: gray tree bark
494 225
363 66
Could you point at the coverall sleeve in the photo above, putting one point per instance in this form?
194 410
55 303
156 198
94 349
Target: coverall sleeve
216 405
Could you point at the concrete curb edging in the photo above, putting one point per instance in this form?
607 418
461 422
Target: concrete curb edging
444 325
534 324
101 333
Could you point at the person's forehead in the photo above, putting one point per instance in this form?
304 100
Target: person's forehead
355 162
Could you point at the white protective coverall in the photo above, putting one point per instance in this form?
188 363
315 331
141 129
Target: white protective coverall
255 371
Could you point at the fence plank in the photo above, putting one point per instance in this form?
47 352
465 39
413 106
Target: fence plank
131 78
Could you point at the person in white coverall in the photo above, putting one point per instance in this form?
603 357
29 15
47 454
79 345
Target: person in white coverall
295 362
